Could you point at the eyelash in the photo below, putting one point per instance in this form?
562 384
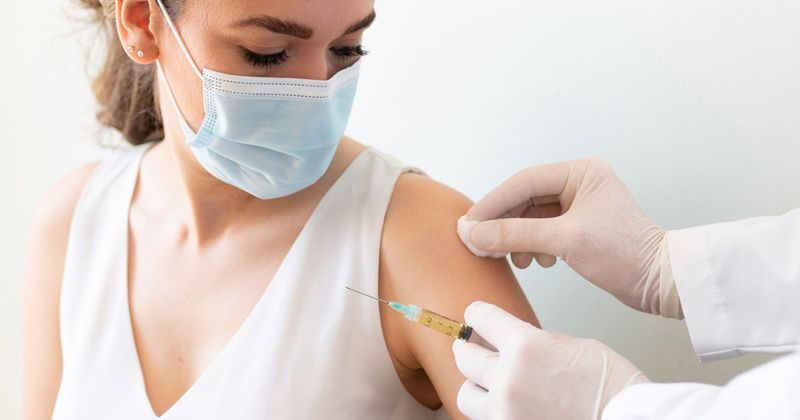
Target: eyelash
265 61
273 60
350 52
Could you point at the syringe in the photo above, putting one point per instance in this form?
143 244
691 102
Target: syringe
434 321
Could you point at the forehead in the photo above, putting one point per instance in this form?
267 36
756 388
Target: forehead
325 17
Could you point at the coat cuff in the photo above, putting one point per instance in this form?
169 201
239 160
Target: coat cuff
703 302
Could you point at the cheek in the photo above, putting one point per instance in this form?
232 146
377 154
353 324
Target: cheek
187 89
192 104
181 78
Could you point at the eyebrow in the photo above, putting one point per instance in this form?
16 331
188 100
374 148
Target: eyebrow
361 24
296 29
278 26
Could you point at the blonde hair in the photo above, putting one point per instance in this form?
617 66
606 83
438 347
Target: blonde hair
125 90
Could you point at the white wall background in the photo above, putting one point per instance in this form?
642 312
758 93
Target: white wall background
695 103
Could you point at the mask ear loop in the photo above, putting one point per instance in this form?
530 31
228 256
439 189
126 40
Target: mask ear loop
172 96
178 38
163 75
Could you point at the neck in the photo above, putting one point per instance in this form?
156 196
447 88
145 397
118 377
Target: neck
207 206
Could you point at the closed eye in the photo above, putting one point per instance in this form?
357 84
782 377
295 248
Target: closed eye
349 52
265 61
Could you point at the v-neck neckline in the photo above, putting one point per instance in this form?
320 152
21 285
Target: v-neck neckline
139 381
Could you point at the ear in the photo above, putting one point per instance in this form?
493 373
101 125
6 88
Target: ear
133 27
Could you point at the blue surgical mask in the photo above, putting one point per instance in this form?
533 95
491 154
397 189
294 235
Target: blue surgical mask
270 137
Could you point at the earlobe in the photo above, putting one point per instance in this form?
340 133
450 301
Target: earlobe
131 50
133 27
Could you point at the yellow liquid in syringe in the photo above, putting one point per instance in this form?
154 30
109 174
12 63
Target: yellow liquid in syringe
432 320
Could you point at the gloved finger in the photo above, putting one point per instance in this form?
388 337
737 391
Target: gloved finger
495 325
476 363
522 260
473 401
464 228
526 186
544 260
543 236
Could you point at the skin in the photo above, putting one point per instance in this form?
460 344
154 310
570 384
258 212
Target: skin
217 244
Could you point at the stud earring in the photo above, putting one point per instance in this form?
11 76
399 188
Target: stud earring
140 54
130 49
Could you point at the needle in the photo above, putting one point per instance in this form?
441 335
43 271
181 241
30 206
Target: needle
364 294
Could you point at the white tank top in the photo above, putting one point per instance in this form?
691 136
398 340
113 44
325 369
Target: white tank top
308 350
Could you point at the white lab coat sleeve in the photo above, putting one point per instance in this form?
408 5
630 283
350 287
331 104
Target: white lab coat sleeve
739 285
766 392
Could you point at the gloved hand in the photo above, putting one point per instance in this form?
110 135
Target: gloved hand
581 212
535 374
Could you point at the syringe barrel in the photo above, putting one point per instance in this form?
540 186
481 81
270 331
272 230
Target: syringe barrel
442 324
451 328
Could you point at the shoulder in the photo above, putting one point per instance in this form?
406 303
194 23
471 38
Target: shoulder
47 249
49 229
420 203
424 263
421 242
49 233
420 236
54 214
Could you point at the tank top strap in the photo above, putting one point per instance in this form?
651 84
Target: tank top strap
95 255
355 208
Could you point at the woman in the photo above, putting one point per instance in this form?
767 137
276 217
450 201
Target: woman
202 275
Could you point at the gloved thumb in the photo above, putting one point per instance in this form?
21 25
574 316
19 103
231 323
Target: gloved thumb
541 236
497 326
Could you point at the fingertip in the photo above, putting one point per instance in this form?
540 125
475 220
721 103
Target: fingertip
480 315
522 260
466 232
474 307
546 261
485 235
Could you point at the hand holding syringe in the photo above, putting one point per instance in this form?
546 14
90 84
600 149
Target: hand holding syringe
434 321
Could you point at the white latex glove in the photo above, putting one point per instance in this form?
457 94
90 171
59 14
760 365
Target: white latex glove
581 212
535 373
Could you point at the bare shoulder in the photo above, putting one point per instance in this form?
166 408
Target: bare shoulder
420 200
49 232
41 336
420 231
423 262
55 212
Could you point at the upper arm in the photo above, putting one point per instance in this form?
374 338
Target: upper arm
47 248
424 263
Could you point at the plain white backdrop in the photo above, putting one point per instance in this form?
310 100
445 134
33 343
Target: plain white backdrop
695 104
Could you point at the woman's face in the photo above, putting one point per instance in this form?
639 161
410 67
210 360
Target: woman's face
307 39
